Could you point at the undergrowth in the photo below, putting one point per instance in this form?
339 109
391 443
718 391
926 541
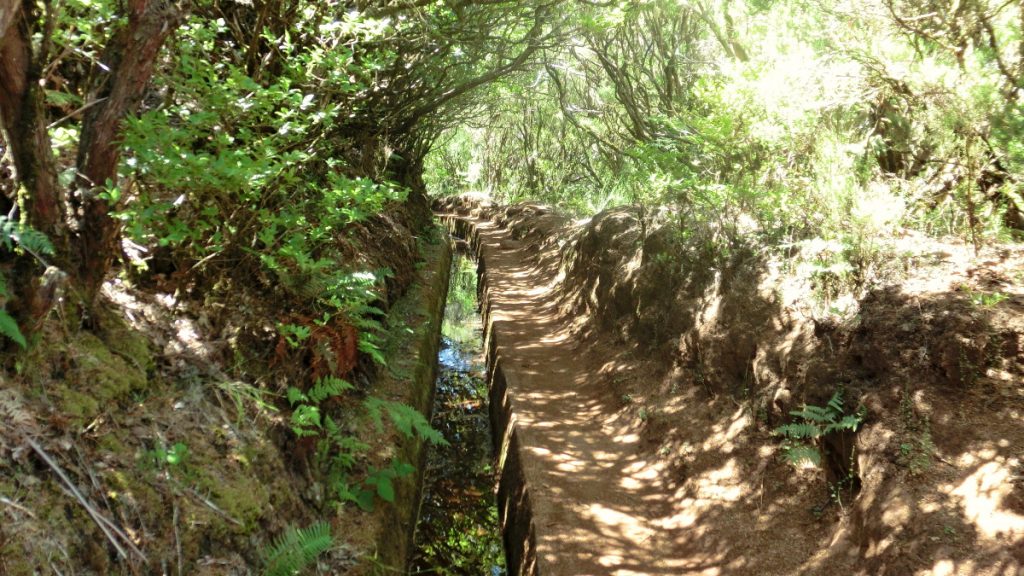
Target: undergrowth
800 438
297 548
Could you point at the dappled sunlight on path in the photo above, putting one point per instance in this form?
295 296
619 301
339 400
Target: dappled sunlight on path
597 503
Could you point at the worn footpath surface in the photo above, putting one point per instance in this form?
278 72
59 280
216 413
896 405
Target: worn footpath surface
596 502
657 456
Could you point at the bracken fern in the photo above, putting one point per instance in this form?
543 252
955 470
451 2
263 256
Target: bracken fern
815 422
297 548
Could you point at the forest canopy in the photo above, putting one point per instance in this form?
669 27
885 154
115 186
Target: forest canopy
215 217
244 134
803 115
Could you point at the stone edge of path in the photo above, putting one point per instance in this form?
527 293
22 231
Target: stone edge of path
514 505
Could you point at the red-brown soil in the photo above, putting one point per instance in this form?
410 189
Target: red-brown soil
644 397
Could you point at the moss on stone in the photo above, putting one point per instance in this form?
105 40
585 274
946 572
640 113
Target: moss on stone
102 371
16 562
112 444
79 407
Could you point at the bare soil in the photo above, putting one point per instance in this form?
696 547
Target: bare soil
645 395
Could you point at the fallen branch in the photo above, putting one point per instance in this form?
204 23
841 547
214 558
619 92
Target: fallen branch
110 530
177 538
214 507
16 506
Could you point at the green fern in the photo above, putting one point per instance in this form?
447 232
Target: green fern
9 328
327 387
798 430
297 548
800 438
27 237
799 453
324 388
406 419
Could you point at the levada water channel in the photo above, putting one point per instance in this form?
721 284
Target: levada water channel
458 531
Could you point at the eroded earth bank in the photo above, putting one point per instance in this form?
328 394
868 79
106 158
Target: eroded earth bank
655 400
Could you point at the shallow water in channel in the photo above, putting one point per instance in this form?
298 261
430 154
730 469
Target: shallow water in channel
458 531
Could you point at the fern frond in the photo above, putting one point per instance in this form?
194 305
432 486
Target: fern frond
9 328
813 413
297 548
835 403
27 237
327 387
295 395
849 422
406 419
799 430
797 455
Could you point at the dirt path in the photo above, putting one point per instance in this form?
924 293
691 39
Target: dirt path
596 500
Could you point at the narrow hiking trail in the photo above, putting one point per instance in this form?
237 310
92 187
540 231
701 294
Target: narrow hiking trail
596 501
616 462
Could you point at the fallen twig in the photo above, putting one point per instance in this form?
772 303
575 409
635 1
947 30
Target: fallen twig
214 507
110 530
177 537
16 506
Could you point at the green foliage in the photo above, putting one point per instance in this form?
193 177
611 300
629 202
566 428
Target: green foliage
9 328
294 334
15 233
25 236
810 124
297 548
406 419
242 393
985 299
306 417
162 457
459 321
338 452
813 422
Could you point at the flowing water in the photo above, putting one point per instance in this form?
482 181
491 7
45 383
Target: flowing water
458 531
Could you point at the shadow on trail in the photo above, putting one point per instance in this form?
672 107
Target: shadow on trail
687 478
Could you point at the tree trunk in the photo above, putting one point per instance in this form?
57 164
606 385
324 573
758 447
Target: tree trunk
130 57
21 108
88 249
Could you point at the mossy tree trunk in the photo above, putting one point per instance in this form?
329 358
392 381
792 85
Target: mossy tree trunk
79 224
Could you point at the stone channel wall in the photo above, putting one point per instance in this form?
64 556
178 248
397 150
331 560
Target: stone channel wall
514 508
410 378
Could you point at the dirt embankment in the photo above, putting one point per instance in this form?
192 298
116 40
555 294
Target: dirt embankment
154 437
709 352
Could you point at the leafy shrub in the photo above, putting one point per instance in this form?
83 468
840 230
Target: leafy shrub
337 452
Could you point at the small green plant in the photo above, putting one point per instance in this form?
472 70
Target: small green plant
297 548
14 233
337 452
8 325
985 300
242 393
163 457
800 438
27 238
306 420
406 419
294 334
